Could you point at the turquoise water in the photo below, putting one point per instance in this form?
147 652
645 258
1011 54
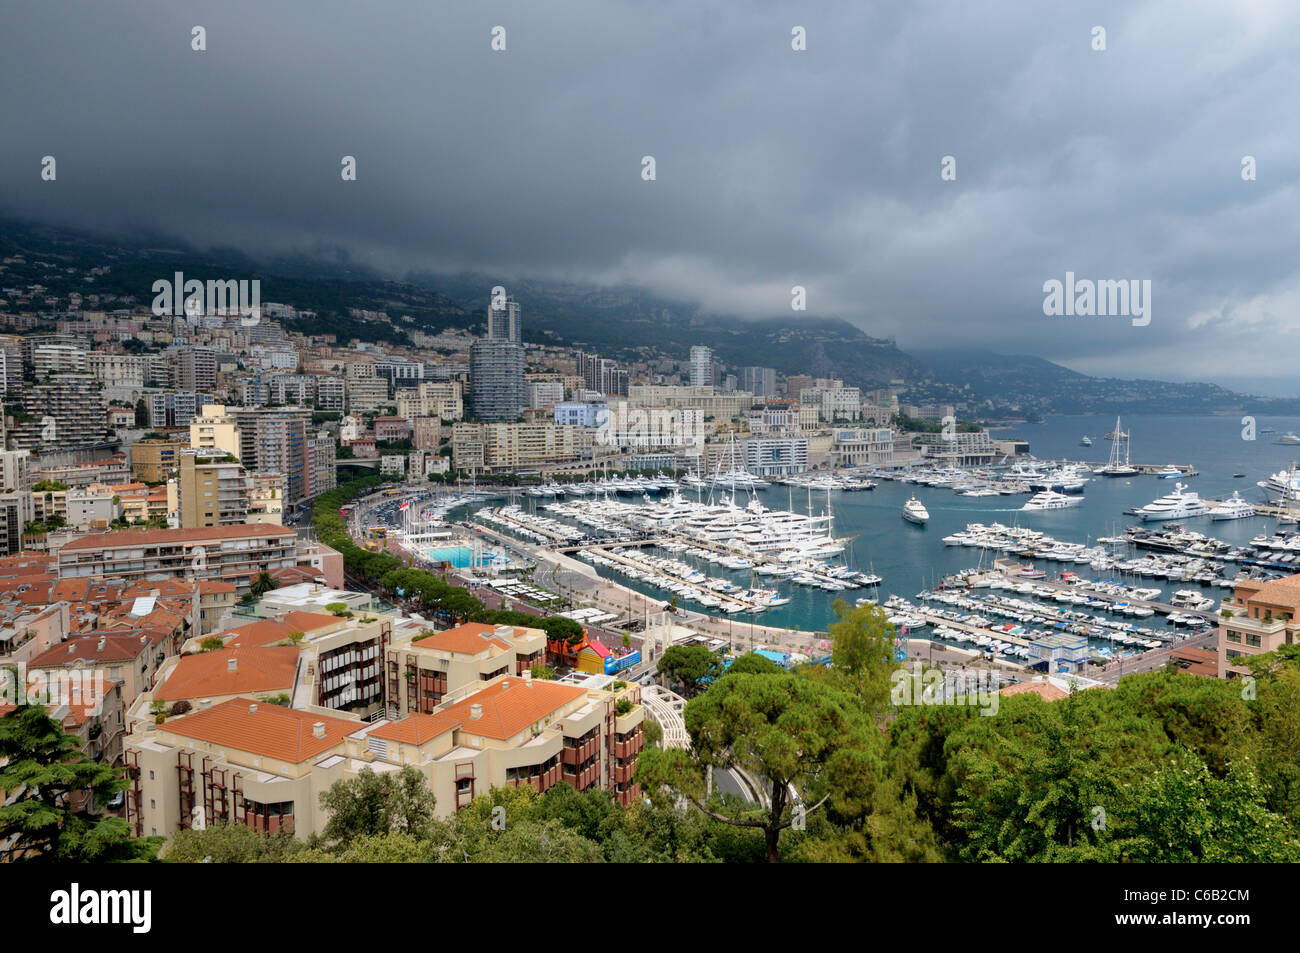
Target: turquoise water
462 557
911 558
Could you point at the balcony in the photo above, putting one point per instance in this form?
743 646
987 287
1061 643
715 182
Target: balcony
622 774
580 753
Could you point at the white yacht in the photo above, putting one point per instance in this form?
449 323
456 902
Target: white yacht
1281 486
1051 500
1179 504
1086 442
1288 439
1233 508
1118 466
1170 472
915 512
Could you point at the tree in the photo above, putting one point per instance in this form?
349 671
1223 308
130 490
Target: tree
1182 814
43 769
542 671
264 583
560 629
691 665
231 843
862 654
802 738
751 663
371 803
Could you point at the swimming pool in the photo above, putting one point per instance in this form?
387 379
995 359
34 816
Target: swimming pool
462 557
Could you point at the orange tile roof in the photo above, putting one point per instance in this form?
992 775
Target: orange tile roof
259 669
468 639
1045 690
209 586
509 707
1279 592
118 647
271 731
145 537
270 631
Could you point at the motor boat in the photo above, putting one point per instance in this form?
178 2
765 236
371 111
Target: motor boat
1170 472
1050 500
1179 504
1287 439
915 512
1233 508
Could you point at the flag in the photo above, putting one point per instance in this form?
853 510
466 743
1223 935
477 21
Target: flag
406 505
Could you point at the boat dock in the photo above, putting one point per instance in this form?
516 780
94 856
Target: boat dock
1147 469
1010 573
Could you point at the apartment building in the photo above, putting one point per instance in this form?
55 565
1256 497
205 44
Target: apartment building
170 410
425 668
120 371
367 394
50 359
236 554
776 456
213 429
68 410
1264 617
497 379
211 493
155 461
518 446
265 766
426 433
701 366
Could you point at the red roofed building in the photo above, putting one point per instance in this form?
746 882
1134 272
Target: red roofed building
235 554
422 671
265 766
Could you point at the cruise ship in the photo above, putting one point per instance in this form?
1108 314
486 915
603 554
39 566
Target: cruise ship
1234 508
914 511
1050 500
1179 504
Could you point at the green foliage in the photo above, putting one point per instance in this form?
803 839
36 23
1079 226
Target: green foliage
212 643
751 663
43 769
542 671
690 665
371 804
231 844
792 732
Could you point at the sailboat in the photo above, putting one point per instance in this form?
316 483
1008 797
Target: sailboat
1118 467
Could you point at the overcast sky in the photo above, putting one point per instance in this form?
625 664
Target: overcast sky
775 168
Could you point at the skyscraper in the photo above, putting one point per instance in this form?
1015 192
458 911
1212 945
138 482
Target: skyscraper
701 366
759 381
496 367
503 323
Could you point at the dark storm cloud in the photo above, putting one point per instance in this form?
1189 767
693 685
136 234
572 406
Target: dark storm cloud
775 168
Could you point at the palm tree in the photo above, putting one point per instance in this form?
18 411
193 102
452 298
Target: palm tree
263 584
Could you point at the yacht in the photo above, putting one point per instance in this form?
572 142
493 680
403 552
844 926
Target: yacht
1051 500
1281 486
1234 508
1179 504
915 512
1086 442
1170 472
1287 439
1118 466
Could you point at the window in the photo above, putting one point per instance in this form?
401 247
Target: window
151 774
1253 639
1234 636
